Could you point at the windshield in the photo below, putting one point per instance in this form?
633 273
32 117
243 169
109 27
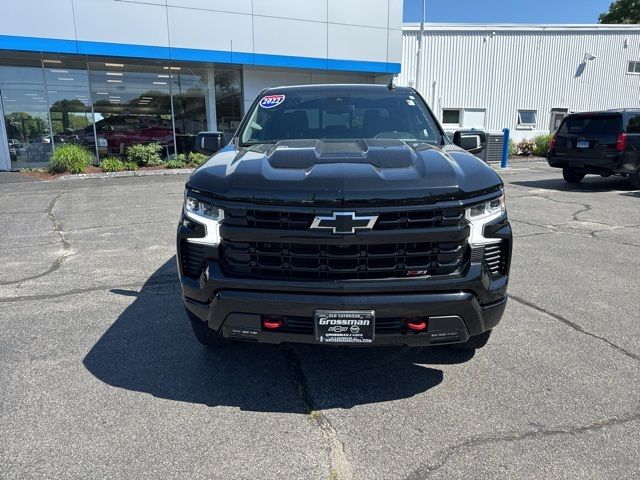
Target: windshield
335 116
592 126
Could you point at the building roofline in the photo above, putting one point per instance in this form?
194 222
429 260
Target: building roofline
521 27
170 53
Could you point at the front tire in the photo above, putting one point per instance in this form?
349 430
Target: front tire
572 176
205 336
474 343
634 179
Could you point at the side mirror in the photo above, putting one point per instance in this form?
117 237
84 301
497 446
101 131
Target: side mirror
209 142
473 141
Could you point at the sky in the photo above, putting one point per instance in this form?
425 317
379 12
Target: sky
507 11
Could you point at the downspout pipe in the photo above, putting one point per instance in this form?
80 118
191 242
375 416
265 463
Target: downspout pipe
434 96
419 54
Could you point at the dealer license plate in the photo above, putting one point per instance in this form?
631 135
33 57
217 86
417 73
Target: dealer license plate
344 327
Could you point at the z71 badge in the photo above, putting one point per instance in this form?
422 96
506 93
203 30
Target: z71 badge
271 101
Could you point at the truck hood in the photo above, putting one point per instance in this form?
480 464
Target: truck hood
343 172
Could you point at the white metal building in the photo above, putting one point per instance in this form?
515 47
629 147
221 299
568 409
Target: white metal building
109 73
522 77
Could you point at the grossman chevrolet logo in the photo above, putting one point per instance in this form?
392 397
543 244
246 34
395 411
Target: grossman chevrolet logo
344 223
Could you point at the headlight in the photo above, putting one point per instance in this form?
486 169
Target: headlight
480 215
207 214
202 209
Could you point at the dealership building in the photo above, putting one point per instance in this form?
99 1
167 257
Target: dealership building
522 77
109 74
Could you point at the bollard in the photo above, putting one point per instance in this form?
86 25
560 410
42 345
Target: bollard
505 149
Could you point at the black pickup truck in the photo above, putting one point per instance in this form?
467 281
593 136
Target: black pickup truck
343 215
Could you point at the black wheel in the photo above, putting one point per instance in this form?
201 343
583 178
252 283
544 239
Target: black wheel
204 335
571 175
474 343
634 180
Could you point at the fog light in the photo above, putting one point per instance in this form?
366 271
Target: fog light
416 324
272 323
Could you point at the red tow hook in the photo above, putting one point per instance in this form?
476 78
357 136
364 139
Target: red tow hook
272 323
416 324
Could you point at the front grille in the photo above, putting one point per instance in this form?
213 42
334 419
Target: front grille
300 220
496 257
304 325
342 262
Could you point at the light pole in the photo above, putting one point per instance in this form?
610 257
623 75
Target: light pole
419 54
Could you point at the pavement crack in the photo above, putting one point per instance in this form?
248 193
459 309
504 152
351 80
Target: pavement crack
584 207
158 281
64 240
427 470
574 326
118 227
340 468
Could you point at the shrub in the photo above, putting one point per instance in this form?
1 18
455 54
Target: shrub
175 163
196 159
70 158
112 164
542 145
526 147
145 155
130 166
513 148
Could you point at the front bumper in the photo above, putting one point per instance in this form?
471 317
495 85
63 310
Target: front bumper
457 306
453 317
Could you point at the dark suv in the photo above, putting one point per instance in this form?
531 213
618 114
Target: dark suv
342 215
602 143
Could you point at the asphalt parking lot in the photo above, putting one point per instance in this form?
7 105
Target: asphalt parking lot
102 378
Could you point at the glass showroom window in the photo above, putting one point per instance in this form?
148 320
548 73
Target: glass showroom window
205 99
24 105
132 105
191 104
228 83
67 83
108 105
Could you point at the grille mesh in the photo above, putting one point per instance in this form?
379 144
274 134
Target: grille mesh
496 257
296 220
342 262
193 258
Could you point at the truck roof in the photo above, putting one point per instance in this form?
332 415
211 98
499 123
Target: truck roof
609 112
341 87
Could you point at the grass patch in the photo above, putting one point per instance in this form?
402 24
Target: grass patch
542 143
112 164
70 158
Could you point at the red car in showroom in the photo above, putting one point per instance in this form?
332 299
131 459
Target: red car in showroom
122 131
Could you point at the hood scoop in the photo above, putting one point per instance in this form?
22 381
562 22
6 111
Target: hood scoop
304 154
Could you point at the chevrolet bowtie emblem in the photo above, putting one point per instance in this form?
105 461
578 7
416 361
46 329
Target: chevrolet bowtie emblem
344 223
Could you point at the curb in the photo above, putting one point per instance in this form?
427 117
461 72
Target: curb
106 175
188 171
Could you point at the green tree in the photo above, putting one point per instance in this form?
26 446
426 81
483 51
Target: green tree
622 11
69 115
24 127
